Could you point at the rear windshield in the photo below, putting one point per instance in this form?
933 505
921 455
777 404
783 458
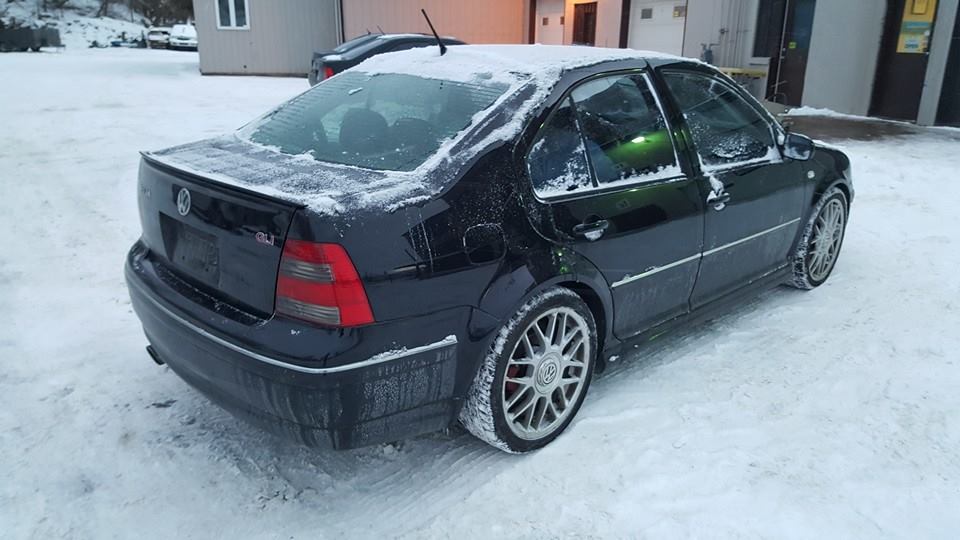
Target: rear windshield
347 45
387 121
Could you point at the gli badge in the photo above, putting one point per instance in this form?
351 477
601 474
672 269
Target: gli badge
183 202
264 238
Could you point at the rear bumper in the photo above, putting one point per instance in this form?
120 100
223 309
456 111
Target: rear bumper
378 384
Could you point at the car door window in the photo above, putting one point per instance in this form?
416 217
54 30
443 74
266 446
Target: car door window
626 136
726 130
557 160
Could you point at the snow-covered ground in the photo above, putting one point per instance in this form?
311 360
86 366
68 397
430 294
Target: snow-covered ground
829 414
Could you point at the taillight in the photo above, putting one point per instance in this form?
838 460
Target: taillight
327 72
318 283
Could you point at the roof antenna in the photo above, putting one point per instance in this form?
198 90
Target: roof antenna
380 29
443 48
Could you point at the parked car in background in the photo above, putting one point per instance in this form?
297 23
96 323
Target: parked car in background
183 37
350 53
429 238
158 37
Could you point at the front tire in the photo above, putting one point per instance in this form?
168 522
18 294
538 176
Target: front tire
535 376
819 248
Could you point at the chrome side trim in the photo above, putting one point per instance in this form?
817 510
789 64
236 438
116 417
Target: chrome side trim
388 356
751 237
652 271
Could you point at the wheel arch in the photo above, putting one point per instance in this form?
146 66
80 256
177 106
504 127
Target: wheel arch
510 291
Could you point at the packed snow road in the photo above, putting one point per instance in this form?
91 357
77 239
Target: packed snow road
833 413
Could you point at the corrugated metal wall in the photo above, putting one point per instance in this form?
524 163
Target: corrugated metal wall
473 21
282 36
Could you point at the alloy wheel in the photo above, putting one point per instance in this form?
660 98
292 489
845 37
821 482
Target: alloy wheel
545 373
826 239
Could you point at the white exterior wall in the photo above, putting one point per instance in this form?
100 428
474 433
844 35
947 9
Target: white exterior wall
843 55
280 41
662 33
733 48
552 33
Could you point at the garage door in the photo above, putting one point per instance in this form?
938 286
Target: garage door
657 26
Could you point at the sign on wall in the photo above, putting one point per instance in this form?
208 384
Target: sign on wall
916 27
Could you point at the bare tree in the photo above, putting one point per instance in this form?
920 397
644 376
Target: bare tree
104 8
163 11
58 5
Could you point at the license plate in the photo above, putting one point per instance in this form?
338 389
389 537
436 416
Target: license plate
197 252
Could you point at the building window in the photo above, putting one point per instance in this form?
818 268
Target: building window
546 21
679 12
561 20
232 14
646 13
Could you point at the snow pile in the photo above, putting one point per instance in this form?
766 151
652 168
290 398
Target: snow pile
828 113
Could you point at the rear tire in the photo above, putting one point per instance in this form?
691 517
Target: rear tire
819 248
535 376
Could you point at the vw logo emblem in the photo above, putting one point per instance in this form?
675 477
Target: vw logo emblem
547 372
183 202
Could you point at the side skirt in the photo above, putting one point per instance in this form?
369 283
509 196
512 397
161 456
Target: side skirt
715 308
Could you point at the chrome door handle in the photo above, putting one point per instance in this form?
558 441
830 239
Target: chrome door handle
592 231
718 200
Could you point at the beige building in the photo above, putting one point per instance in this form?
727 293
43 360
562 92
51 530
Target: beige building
278 37
472 21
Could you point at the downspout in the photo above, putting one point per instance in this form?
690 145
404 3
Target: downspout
783 37
686 17
624 23
338 17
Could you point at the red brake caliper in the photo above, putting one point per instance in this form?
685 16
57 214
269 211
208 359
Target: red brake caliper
511 387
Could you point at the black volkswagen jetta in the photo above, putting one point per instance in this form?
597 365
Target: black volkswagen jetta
429 238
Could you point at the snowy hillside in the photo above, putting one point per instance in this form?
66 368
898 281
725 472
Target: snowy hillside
78 24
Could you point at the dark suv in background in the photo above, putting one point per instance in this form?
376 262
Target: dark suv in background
327 64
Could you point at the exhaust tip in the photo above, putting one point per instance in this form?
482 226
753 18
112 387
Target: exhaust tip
154 356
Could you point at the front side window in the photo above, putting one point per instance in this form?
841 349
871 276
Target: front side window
558 159
232 14
626 136
725 128
387 121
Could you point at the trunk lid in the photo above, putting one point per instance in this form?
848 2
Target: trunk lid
223 241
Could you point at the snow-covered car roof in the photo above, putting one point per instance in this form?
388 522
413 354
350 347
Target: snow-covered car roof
469 62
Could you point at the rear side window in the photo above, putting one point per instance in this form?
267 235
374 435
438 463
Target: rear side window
349 44
387 121
558 159
725 128
626 135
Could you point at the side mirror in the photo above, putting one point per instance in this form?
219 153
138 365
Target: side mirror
797 147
